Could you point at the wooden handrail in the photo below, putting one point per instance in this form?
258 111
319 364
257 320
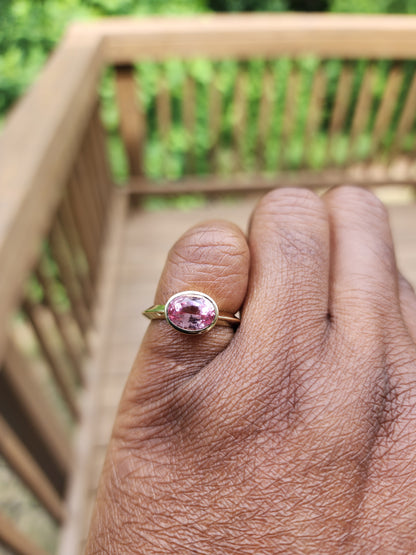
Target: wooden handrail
247 36
37 148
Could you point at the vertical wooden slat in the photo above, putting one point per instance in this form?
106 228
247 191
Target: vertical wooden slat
289 115
12 538
54 361
239 119
189 118
101 153
316 103
264 116
130 118
363 106
214 121
68 277
340 109
61 323
78 254
91 171
20 378
164 119
80 214
387 106
21 461
85 190
407 118
99 164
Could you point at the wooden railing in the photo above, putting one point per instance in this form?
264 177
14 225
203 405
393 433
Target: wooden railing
299 100
285 100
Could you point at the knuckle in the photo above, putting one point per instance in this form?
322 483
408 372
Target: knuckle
290 202
356 199
211 244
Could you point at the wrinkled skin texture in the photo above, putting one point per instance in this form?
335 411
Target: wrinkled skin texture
296 434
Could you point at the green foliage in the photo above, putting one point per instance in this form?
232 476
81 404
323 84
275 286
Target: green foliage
372 6
248 5
29 29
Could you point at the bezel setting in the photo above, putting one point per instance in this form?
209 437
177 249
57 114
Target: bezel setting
197 294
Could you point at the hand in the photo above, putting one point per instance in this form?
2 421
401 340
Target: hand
296 434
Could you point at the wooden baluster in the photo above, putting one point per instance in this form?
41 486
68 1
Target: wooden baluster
62 324
68 277
214 122
407 117
78 254
264 117
86 192
239 120
189 120
99 164
101 153
11 537
387 107
44 337
164 120
362 108
339 112
28 470
289 115
79 211
316 103
20 379
131 118
87 156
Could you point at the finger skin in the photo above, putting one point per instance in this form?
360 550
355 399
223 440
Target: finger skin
363 280
289 242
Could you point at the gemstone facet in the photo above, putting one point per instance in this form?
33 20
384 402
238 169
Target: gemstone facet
191 312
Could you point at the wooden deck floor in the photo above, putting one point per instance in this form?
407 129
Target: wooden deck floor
141 247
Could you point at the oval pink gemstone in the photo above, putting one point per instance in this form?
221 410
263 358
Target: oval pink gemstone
192 313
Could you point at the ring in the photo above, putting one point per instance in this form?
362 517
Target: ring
191 312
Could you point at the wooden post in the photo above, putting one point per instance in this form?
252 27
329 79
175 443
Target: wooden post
131 119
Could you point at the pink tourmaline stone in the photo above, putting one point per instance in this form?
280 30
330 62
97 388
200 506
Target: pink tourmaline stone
191 313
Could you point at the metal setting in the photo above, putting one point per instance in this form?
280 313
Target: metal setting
192 294
160 312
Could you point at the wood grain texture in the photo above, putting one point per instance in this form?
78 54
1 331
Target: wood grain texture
265 111
243 36
239 119
356 175
387 106
73 348
316 104
54 359
12 538
215 113
43 130
339 111
407 117
189 121
23 464
130 120
69 278
289 114
21 379
362 108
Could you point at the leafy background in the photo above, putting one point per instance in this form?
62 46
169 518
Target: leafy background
29 29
